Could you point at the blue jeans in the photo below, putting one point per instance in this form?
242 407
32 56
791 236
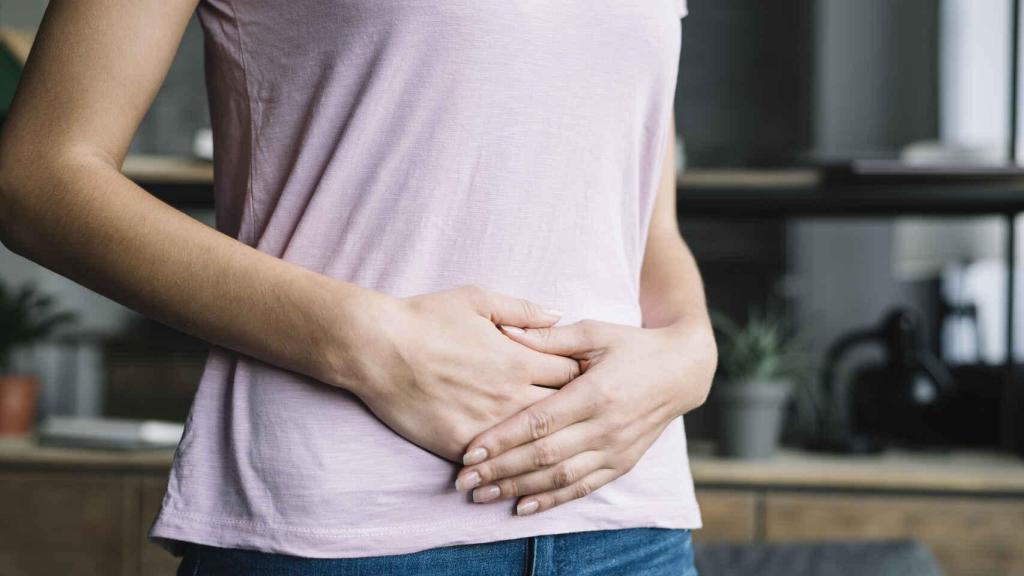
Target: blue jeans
632 552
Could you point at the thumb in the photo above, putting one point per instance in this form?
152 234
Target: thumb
504 309
571 340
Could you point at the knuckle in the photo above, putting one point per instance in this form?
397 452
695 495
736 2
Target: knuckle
603 437
603 393
487 471
626 464
564 476
529 309
587 329
540 423
540 335
621 437
461 436
544 455
582 489
608 436
474 293
572 370
509 489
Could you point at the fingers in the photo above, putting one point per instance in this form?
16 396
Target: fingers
541 455
578 489
570 405
567 340
504 309
561 475
548 369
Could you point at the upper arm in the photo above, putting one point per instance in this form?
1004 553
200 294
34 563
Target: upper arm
663 215
94 69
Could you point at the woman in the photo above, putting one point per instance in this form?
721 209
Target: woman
407 192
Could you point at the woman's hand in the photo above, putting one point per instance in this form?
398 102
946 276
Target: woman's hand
438 371
595 429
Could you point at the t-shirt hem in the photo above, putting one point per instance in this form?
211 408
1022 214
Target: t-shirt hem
173 529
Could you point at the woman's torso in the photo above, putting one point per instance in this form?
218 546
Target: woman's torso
411 146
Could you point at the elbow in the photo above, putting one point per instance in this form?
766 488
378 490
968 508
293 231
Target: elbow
26 211
21 205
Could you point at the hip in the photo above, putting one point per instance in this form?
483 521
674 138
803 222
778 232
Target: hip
635 551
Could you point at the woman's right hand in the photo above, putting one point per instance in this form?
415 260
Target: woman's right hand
436 369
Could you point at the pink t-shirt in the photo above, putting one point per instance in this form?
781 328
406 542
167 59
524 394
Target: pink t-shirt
411 146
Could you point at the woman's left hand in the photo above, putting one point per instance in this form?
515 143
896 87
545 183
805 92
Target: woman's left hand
634 382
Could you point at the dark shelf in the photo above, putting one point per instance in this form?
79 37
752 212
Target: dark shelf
803 193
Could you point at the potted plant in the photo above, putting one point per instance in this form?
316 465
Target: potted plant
758 365
26 316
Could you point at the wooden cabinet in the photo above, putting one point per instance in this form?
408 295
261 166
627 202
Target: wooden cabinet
60 522
67 523
86 512
966 535
729 516
153 560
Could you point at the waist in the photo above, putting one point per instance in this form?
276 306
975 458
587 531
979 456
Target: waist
631 550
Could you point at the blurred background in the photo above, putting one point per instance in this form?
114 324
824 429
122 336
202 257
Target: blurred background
849 181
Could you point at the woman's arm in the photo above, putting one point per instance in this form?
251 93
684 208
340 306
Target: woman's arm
671 289
635 382
93 72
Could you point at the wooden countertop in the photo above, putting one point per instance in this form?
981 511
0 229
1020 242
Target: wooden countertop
24 452
894 470
961 471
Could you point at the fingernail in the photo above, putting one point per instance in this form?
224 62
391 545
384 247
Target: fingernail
553 312
486 494
467 482
527 507
513 329
475 456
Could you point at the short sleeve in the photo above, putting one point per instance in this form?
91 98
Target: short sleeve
681 8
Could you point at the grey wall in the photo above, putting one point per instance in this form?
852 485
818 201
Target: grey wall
875 75
773 82
745 81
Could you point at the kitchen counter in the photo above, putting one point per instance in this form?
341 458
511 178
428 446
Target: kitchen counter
967 507
895 470
969 472
24 453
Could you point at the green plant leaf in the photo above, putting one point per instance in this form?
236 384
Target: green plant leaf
27 316
761 349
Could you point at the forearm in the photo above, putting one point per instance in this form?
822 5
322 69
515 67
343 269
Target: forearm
93 71
671 289
81 218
